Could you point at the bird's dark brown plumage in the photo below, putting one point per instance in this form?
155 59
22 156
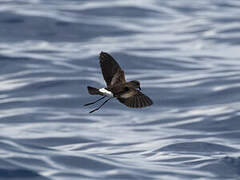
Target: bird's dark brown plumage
112 72
116 83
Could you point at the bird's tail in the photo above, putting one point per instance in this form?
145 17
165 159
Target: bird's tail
93 91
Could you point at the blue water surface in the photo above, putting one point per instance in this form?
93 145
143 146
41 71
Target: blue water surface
186 54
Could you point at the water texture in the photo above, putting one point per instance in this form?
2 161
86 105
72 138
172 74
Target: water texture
186 54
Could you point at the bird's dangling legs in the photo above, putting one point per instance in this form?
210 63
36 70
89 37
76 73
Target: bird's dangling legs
100 105
94 101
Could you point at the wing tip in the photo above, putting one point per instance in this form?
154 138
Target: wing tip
102 52
103 55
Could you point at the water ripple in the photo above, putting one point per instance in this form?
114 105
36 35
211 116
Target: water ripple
184 53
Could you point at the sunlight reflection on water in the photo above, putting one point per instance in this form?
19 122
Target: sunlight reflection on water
186 56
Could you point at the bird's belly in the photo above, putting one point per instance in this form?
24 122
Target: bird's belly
106 92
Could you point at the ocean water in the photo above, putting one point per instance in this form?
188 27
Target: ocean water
186 54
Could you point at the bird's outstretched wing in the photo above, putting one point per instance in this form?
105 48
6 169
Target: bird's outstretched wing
135 99
112 72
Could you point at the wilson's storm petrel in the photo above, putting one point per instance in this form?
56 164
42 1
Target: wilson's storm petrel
127 93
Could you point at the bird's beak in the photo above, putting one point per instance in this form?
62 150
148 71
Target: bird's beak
140 88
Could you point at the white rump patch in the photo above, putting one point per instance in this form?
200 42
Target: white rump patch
106 92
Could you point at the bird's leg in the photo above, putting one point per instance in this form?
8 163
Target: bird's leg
100 105
94 101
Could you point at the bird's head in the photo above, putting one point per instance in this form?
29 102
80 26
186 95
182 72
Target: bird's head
135 84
